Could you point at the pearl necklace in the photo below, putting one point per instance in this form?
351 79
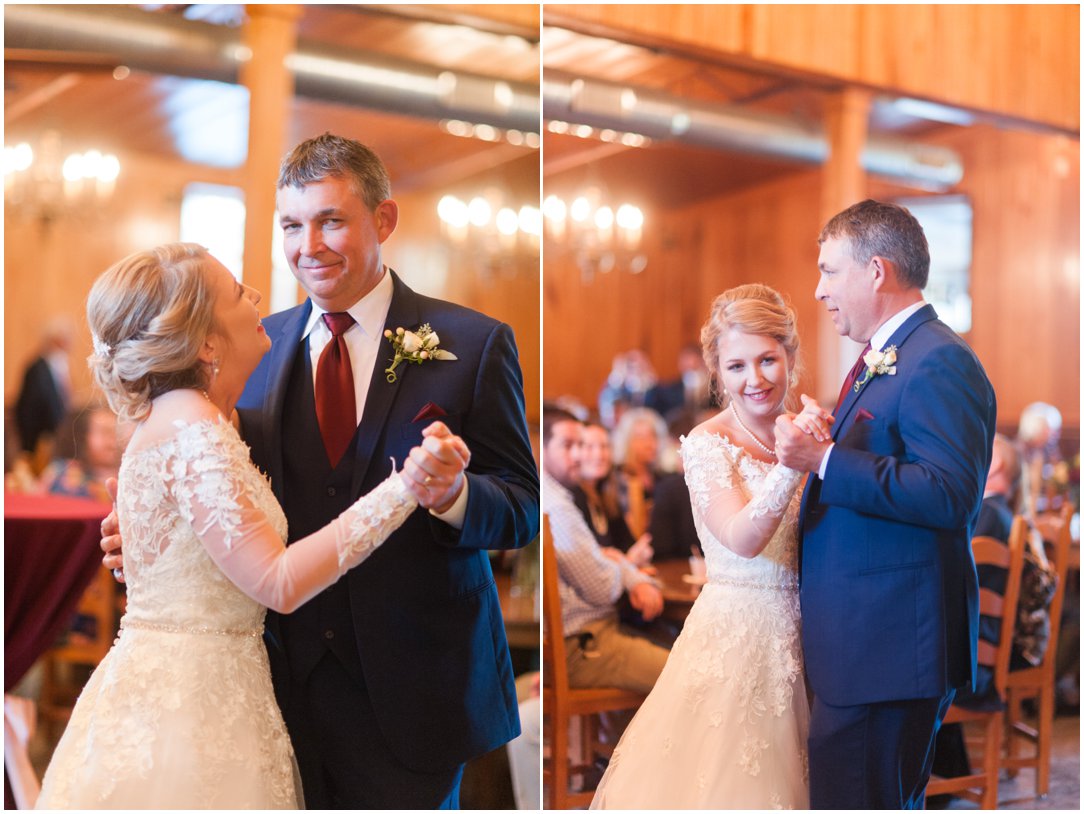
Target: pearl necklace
768 450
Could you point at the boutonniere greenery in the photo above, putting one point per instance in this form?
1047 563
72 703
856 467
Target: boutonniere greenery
414 347
878 362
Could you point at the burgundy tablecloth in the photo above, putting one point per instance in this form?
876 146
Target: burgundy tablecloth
51 554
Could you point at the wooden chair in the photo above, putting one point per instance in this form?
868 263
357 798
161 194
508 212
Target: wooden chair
560 703
1038 682
981 786
60 687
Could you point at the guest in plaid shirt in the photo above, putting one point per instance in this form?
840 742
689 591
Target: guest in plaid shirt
591 581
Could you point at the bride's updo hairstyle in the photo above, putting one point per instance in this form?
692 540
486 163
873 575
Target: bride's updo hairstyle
149 316
753 309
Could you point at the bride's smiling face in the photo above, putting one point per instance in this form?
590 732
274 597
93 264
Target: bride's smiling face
754 370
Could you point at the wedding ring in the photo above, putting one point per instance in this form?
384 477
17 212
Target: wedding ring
428 480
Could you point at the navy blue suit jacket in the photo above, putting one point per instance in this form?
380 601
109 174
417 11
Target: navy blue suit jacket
889 591
429 630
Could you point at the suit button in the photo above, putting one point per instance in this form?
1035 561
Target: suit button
329 634
331 491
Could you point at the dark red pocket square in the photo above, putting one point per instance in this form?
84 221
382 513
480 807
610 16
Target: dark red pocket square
430 410
863 415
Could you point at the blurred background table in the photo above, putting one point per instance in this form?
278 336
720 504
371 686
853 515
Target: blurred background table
678 592
51 555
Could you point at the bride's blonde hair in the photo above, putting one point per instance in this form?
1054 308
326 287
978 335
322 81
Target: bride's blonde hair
753 309
149 315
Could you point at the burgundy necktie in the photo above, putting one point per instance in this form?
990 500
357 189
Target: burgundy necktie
335 408
852 377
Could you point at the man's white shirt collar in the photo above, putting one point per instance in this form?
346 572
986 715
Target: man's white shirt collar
369 312
884 333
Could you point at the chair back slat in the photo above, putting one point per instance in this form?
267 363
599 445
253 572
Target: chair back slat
990 551
991 603
1062 545
555 657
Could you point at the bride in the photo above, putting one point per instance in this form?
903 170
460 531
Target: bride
726 724
181 713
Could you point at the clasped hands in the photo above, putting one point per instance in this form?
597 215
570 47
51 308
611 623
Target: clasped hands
434 471
801 440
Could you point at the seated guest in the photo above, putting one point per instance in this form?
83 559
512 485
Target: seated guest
673 533
627 383
90 450
691 388
596 498
999 504
638 440
1038 437
600 654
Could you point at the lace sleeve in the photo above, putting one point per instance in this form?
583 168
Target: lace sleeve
742 522
213 482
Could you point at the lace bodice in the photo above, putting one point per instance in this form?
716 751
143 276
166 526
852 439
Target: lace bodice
204 535
717 470
171 578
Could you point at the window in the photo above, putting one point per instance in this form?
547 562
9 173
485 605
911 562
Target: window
214 216
946 220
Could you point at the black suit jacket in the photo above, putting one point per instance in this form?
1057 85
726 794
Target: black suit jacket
429 631
41 406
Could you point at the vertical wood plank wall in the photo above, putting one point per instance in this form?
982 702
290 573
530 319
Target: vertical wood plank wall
1017 60
1025 280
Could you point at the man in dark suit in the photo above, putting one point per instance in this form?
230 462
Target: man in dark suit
42 402
889 591
393 678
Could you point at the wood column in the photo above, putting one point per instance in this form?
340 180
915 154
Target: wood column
270 35
846 126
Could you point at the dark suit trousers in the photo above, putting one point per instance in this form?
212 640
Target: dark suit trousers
344 761
873 756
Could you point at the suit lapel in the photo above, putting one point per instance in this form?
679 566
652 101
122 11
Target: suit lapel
920 317
403 312
283 350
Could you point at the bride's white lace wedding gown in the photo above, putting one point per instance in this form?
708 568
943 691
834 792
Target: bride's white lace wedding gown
181 712
726 724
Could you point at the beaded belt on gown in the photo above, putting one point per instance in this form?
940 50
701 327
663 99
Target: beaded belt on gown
733 582
137 624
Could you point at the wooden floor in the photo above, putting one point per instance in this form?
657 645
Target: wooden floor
1019 792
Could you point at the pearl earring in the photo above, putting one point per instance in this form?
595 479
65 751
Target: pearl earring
216 365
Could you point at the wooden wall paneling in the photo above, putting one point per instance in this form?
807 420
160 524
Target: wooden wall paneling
766 233
50 266
1021 61
824 39
1025 276
428 261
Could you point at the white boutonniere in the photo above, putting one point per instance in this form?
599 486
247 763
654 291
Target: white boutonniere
878 362
415 347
